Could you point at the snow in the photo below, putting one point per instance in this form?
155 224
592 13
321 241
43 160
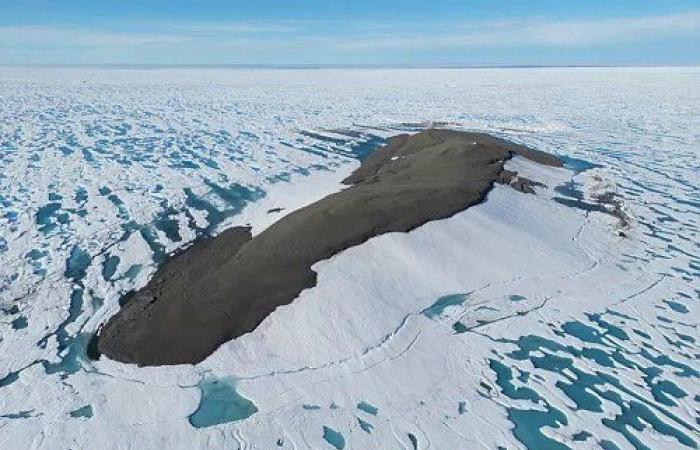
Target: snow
602 337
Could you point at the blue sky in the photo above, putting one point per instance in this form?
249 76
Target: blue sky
382 32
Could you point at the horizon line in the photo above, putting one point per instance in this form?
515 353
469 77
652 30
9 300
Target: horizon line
334 66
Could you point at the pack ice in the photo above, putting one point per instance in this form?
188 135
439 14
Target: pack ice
528 321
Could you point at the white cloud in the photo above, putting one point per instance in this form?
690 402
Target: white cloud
61 36
160 33
233 28
586 33
540 32
290 40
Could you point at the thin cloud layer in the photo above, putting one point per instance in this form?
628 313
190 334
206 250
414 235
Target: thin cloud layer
541 32
317 41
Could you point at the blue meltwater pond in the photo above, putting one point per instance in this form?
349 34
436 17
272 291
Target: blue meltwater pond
220 403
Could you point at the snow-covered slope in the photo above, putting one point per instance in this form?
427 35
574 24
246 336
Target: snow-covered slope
523 322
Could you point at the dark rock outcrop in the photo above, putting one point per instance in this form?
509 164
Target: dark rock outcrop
224 287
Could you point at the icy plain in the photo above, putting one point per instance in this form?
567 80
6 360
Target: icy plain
524 322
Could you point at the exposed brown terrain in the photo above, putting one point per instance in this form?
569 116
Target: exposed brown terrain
224 287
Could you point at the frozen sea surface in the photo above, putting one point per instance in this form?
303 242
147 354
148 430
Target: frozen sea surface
524 322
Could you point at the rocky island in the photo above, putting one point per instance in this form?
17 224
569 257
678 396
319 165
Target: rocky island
223 287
